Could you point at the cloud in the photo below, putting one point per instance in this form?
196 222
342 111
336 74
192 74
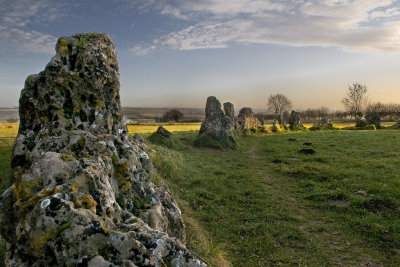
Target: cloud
353 25
28 41
18 15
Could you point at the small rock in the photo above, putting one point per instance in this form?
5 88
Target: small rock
163 132
361 193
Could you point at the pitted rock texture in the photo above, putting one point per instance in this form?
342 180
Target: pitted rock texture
247 119
216 124
295 120
373 118
81 190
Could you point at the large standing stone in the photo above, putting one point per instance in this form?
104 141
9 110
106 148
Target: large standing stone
295 120
229 110
81 191
247 119
216 124
373 118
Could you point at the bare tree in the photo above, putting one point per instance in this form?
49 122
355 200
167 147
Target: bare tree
356 98
279 104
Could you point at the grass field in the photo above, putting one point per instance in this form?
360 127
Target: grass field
265 203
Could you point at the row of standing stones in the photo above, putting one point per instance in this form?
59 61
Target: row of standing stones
81 191
219 124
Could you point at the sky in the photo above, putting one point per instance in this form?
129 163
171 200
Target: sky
176 53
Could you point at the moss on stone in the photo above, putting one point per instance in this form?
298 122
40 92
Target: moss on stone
121 202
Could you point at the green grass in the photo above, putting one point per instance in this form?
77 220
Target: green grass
301 210
264 203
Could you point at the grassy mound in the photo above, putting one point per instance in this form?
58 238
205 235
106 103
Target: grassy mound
204 140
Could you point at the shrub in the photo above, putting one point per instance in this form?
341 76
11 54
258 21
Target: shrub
322 126
276 129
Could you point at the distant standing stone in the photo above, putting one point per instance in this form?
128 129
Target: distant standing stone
373 118
163 132
216 124
247 119
295 120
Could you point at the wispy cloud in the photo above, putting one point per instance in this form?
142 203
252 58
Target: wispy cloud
354 25
15 18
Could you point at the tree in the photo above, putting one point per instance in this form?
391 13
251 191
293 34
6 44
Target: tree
173 114
279 104
356 98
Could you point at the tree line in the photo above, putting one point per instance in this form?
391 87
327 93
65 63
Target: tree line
355 102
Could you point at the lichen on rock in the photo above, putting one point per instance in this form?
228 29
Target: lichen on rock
81 191
247 119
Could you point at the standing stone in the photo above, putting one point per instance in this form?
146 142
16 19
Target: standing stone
260 117
325 121
163 132
229 110
295 120
81 192
247 119
216 124
373 118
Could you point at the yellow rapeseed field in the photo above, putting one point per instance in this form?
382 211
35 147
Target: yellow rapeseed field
172 127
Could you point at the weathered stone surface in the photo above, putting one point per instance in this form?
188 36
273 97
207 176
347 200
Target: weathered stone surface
229 110
260 117
247 119
163 132
81 191
295 120
373 118
216 124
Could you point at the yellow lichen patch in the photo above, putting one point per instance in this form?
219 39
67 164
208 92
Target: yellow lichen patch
103 225
89 203
124 184
133 245
39 241
120 170
91 169
75 186
36 198
77 203
24 188
62 46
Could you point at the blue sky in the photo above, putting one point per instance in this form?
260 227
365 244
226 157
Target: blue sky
175 53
